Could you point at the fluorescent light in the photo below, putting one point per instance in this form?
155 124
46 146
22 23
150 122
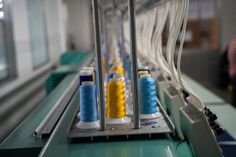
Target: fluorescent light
1 5
3 67
1 14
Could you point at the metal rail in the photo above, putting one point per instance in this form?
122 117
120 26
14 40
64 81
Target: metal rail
49 122
133 51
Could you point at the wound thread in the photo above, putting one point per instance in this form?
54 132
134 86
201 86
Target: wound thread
119 69
147 95
115 94
88 102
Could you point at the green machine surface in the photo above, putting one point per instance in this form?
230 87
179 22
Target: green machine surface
206 96
22 138
73 57
58 75
70 63
58 144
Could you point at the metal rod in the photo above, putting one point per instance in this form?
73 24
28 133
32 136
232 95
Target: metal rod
48 123
120 33
99 63
133 51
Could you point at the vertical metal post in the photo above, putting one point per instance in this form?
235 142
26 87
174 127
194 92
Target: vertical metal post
122 38
133 51
99 63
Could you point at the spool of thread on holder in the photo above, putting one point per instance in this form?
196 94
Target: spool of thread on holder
111 74
120 70
93 71
86 75
148 97
142 73
143 68
115 99
88 107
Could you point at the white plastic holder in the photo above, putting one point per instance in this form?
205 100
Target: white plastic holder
124 120
88 125
150 116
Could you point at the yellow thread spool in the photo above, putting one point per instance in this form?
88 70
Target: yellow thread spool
119 69
116 99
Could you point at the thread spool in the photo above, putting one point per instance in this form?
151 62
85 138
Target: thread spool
85 75
111 74
115 98
88 107
93 71
119 69
148 97
127 65
140 73
143 68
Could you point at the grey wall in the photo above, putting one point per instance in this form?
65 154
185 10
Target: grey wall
202 65
80 23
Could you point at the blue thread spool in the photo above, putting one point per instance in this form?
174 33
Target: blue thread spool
110 64
111 75
91 69
94 74
148 97
85 75
143 68
140 73
127 64
88 107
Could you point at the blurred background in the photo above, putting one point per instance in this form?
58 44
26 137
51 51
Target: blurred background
35 33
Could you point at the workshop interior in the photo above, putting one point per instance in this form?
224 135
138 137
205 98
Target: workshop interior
117 78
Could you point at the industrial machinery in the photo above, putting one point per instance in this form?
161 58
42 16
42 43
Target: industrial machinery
129 106
129 91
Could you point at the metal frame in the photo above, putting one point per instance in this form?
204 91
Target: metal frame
130 130
133 51
99 63
49 122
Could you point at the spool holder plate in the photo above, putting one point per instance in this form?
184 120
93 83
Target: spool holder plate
148 129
